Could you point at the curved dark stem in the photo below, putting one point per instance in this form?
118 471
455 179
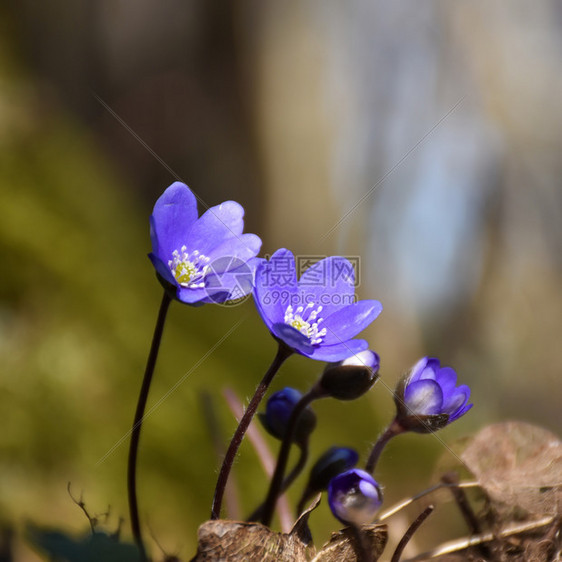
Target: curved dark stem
283 352
298 468
137 424
362 548
391 431
410 532
301 463
277 478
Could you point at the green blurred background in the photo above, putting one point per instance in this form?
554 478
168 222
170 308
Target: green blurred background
423 137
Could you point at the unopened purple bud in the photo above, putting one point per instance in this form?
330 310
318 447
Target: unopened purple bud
428 397
278 412
354 497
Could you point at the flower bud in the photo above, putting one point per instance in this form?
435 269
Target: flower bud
427 398
351 378
278 412
333 462
354 497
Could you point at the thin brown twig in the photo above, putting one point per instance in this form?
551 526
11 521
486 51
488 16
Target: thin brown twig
410 532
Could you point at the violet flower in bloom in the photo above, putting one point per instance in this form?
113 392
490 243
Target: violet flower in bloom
354 497
318 315
205 259
431 390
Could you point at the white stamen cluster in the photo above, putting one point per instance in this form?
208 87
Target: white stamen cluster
189 271
306 321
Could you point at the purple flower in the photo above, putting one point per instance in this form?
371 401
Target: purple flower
205 259
317 316
431 390
354 497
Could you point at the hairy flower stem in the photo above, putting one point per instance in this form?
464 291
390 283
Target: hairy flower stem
391 431
301 463
137 424
275 487
283 352
362 548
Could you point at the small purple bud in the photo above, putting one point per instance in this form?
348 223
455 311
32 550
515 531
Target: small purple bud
351 378
278 412
354 497
428 399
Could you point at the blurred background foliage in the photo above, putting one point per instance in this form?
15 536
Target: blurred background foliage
423 137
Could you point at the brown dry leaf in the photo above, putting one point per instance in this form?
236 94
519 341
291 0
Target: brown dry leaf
519 466
341 544
238 541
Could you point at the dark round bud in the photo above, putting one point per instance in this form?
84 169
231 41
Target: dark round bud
351 378
333 462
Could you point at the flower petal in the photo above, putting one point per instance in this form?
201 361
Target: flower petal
330 283
460 412
293 338
425 368
455 401
232 284
347 322
417 370
241 248
447 379
162 269
424 397
173 215
338 352
431 369
192 296
215 226
275 285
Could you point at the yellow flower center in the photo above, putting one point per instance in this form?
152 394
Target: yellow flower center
189 270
